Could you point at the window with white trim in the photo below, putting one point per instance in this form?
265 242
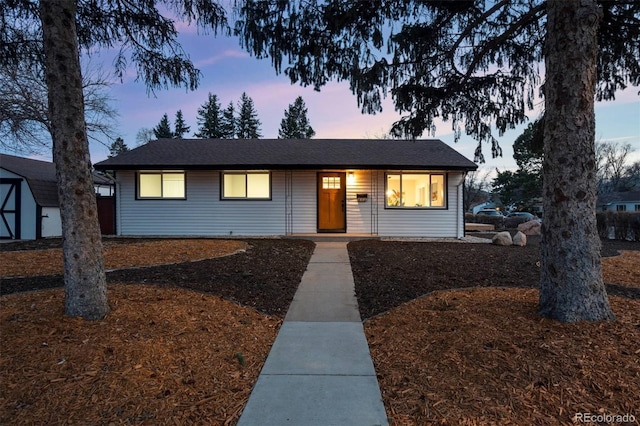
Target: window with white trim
246 185
415 190
161 185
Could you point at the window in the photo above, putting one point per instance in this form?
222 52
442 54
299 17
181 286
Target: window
621 208
637 207
330 182
161 185
246 185
415 190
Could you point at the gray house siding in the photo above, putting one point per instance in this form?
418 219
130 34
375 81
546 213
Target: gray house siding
202 212
291 210
430 223
360 214
304 202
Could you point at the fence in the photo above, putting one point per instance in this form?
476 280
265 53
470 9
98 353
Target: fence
619 225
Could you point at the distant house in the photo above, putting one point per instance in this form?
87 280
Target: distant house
486 205
29 207
214 187
620 202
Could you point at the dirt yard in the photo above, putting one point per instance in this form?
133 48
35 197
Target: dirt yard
187 347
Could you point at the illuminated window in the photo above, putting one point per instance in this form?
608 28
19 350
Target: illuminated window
331 182
415 190
161 185
246 185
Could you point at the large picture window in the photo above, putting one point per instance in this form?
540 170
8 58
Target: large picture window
170 185
246 185
415 190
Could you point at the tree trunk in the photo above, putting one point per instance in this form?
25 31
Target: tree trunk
84 277
571 286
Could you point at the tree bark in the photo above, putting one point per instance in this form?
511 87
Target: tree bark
84 277
571 286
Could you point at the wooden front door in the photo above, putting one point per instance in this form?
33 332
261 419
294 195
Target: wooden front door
332 197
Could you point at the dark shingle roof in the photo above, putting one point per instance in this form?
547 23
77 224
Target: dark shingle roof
612 197
289 154
41 176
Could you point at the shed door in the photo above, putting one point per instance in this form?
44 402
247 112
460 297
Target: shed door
10 204
332 195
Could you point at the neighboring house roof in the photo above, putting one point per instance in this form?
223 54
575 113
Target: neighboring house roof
41 176
619 197
241 154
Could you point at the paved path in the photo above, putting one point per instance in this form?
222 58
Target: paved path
319 371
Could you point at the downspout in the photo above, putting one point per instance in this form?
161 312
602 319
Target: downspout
116 203
460 216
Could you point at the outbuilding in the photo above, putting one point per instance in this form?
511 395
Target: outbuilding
285 187
29 207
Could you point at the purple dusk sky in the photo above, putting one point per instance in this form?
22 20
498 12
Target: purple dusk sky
227 71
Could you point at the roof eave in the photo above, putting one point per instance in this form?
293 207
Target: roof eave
283 167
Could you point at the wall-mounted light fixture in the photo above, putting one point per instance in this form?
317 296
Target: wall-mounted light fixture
351 178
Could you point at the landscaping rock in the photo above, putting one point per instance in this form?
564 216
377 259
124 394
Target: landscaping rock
533 227
520 239
502 239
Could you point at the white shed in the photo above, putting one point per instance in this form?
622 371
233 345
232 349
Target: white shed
29 207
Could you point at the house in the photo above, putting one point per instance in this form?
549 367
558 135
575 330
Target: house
29 207
214 187
628 201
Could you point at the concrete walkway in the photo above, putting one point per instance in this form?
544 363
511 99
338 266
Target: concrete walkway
319 371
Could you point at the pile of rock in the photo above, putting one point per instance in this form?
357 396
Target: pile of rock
532 227
520 239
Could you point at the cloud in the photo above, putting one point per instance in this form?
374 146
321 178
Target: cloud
227 54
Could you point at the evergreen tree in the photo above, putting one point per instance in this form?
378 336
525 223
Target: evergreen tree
523 188
295 124
247 125
476 63
55 31
210 119
180 126
117 147
163 129
228 122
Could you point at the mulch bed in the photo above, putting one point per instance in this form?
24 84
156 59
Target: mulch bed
447 350
483 356
161 356
265 276
120 256
390 273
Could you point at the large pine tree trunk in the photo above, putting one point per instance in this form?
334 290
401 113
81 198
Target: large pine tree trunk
84 277
571 287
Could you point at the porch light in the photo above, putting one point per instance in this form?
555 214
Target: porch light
351 178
